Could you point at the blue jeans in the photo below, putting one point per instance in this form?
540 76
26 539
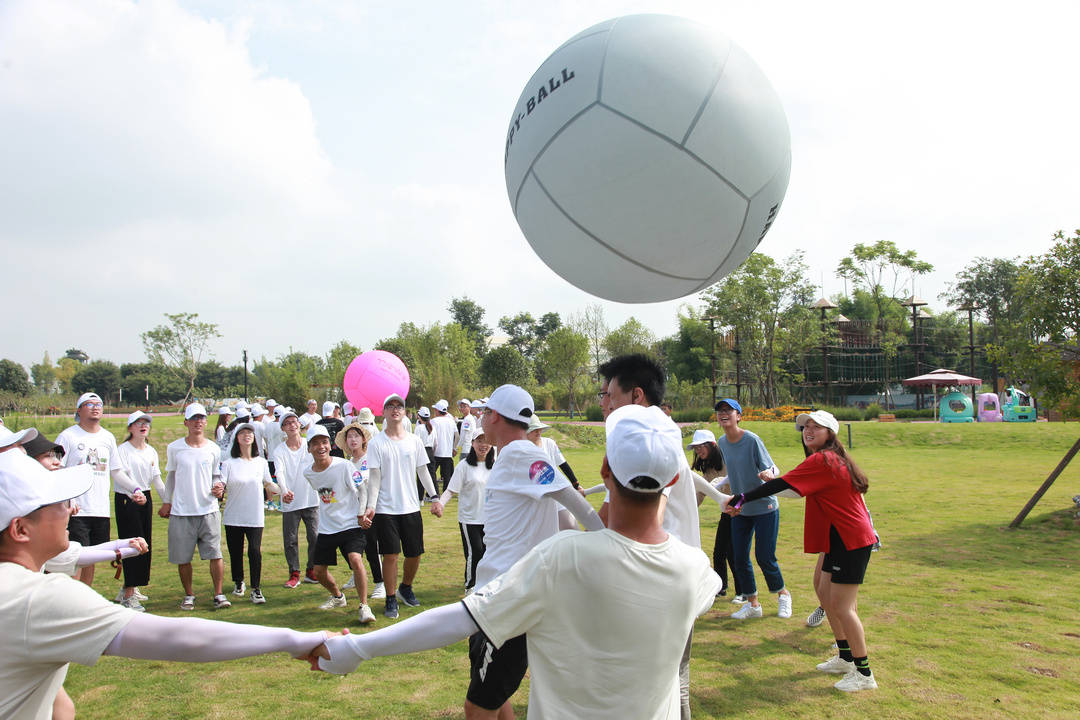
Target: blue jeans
765 529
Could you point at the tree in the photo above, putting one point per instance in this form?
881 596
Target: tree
565 357
338 360
180 346
759 301
503 365
630 337
44 374
869 266
77 355
1043 347
686 353
590 323
65 370
150 382
13 378
441 359
527 334
469 315
101 377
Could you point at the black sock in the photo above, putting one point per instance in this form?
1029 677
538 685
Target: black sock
844 649
862 665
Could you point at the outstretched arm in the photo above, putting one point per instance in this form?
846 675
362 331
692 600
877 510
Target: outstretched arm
151 637
430 629
105 552
575 502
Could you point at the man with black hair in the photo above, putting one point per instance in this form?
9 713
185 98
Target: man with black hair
638 380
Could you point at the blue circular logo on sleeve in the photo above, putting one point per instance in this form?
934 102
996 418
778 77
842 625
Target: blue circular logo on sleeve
541 473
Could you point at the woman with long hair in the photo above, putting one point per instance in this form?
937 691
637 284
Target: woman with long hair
709 463
353 441
224 413
244 475
469 482
134 518
837 523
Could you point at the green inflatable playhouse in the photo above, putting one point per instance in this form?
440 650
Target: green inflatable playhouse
956 407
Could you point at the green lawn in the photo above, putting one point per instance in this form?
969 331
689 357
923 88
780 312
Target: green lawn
964 618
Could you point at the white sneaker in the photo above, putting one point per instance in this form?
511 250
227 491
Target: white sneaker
738 599
366 616
140 596
783 601
257 597
132 603
836 666
379 592
816 618
350 584
855 681
188 603
221 602
238 589
747 611
334 602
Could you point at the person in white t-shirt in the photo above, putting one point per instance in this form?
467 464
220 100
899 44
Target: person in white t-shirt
353 441
425 432
244 476
312 416
465 427
299 501
53 621
468 484
342 520
132 518
87 442
192 489
396 458
638 380
444 429
224 417
579 596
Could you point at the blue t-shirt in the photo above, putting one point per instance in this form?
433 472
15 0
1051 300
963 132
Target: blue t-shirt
744 460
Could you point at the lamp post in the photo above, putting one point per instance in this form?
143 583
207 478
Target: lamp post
823 305
915 303
971 308
245 377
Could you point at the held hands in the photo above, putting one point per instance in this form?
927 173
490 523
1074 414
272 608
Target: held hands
218 490
139 544
436 508
766 475
733 505
320 651
288 496
364 520
138 498
163 511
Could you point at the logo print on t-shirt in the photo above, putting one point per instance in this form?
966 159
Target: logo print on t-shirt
541 473
357 478
327 495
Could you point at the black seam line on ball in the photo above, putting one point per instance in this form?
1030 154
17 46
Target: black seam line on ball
631 260
541 151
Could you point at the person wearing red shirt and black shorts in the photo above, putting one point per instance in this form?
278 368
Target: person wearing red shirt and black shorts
837 523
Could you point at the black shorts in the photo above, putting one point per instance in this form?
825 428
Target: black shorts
88 531
348 541
847 567
496 673
400 534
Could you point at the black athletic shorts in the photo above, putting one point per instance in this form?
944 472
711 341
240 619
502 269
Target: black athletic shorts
88 531
400 534
496 673
847 567
348 541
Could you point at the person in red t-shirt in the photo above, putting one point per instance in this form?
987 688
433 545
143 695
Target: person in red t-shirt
837 524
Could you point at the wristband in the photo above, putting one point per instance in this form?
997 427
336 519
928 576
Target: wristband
737 500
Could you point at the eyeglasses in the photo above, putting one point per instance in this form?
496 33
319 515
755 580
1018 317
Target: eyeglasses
602 394
92 405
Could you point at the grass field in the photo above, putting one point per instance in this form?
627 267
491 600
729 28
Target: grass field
964 618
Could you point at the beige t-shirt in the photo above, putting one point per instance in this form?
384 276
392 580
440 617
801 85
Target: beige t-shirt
50 620
606 620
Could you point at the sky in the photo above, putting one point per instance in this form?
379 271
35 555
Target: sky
304 173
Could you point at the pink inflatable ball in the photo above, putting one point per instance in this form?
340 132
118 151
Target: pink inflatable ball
372 376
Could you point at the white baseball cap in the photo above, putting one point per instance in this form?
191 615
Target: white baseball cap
347 408
512 402
536 424
87 397
224 410
464 401
441 406
8 438
258 410
643 442
286 414
478 431
25 485
137 416
241 405
194 409
424 412
327 408
280 410
243 426
701 437
242 412
479 404
271 404
393 396
317 431
823 418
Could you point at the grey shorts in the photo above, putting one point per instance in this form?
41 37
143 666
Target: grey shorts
187 531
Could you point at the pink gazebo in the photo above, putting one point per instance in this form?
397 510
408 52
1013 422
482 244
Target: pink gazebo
941 376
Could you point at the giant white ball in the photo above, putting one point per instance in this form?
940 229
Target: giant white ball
647 158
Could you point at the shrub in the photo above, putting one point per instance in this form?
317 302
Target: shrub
909 414
593 413
693 415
